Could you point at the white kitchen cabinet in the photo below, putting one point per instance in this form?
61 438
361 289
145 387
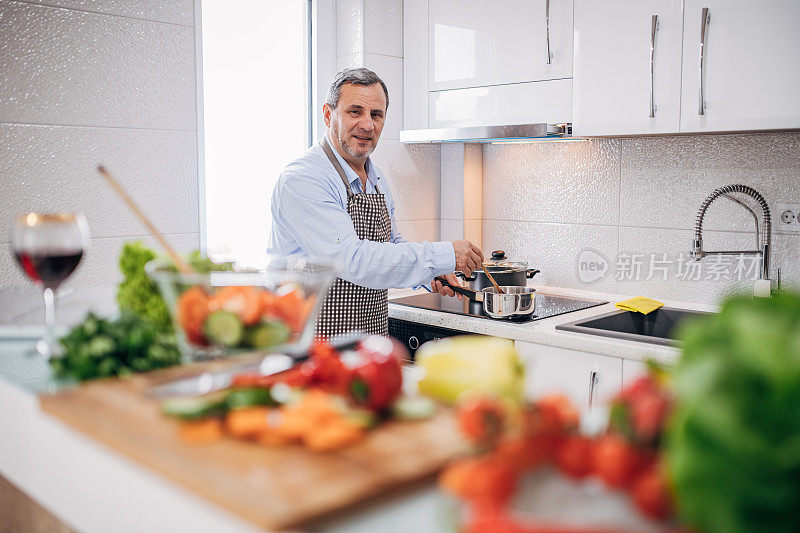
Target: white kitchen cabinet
632 370
517 103
750 65
580 376
473 62
616 78
474 43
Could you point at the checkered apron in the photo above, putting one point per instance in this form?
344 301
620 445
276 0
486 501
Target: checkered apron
350 307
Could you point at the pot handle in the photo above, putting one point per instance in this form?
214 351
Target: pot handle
472 295
531 272
463 276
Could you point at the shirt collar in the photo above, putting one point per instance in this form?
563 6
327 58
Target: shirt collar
372 174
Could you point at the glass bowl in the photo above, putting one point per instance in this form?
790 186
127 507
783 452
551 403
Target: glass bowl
217 314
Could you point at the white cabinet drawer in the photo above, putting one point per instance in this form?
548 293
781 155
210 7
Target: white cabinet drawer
543 101
558 370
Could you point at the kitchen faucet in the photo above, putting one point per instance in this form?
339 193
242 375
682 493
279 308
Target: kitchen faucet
762 250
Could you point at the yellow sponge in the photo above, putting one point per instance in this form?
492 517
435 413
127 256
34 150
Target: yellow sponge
640 304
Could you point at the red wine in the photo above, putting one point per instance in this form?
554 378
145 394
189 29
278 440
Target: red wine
49 268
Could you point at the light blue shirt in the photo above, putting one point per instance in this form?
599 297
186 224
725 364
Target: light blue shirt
309 218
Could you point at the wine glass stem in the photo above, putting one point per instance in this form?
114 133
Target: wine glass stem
49 320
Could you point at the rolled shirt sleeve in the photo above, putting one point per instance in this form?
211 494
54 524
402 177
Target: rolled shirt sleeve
309 218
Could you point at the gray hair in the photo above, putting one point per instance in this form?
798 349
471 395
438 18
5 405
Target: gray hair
356 76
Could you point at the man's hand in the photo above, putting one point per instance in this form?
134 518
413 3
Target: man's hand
468 256
445 290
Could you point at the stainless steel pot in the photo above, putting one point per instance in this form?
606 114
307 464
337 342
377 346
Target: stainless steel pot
505 273
517 301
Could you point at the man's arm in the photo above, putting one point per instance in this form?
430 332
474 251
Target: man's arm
313 216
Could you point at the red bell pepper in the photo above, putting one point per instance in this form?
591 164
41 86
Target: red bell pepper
377 378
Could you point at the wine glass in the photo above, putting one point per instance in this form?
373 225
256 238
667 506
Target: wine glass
48 247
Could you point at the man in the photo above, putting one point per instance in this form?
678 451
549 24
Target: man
334 204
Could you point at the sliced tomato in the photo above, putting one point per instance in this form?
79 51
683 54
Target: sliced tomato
481 420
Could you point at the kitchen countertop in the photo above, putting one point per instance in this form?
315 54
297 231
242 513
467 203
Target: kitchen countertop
544 331
80 480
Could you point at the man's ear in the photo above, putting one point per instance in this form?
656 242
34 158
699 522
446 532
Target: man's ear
326 114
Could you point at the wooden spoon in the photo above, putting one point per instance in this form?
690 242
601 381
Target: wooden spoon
488 275
182 265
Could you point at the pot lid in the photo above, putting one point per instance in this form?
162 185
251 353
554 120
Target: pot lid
499 264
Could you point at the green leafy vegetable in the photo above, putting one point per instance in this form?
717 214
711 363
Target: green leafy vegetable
733 443
139 294
101 348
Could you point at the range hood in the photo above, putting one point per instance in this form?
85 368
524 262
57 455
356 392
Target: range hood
488 134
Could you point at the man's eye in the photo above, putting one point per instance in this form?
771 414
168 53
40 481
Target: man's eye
377 115
354 112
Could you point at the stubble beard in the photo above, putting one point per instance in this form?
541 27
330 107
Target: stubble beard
351 151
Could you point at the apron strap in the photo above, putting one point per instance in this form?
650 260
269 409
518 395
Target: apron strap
329 152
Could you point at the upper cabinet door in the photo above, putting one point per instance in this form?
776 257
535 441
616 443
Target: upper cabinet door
744 59
627 71
473 43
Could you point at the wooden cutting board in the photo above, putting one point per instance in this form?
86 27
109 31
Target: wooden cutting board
276 488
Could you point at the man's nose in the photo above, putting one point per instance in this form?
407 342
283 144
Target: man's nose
366 123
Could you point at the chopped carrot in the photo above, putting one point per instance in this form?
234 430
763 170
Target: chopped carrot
201 431
333 436
290 307
248 422
272 438
253 306
192 313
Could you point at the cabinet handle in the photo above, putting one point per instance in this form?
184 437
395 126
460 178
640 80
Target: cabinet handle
592 383
703 24
653 30
547 28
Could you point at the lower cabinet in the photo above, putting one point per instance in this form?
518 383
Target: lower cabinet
585 378
631 370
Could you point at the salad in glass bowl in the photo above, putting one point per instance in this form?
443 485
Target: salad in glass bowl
220 313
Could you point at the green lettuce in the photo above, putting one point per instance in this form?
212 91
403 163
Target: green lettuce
733 441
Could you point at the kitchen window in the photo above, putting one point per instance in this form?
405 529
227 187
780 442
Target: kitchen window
254 116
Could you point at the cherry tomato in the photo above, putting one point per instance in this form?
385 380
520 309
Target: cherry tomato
481 420
651 494
574 456
615 461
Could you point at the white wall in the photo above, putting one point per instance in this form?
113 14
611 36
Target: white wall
369 33
546 202
109 81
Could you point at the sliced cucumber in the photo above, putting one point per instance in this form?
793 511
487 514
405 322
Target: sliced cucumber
363 417
413 408
268 334
241 398
196 407
225 328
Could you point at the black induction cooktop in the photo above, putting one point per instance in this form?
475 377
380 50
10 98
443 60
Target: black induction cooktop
546 306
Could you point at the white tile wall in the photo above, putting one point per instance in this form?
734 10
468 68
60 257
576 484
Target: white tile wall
90 81
677 173
412 171
53 168
349 27
552 248
173 11
67 67
419 230
546 202
100 264
573 182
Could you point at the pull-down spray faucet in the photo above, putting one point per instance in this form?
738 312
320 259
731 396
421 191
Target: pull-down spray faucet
765 246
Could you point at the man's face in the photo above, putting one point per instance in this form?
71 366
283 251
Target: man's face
357 121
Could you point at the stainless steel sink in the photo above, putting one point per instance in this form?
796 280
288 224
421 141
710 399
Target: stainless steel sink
656 327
